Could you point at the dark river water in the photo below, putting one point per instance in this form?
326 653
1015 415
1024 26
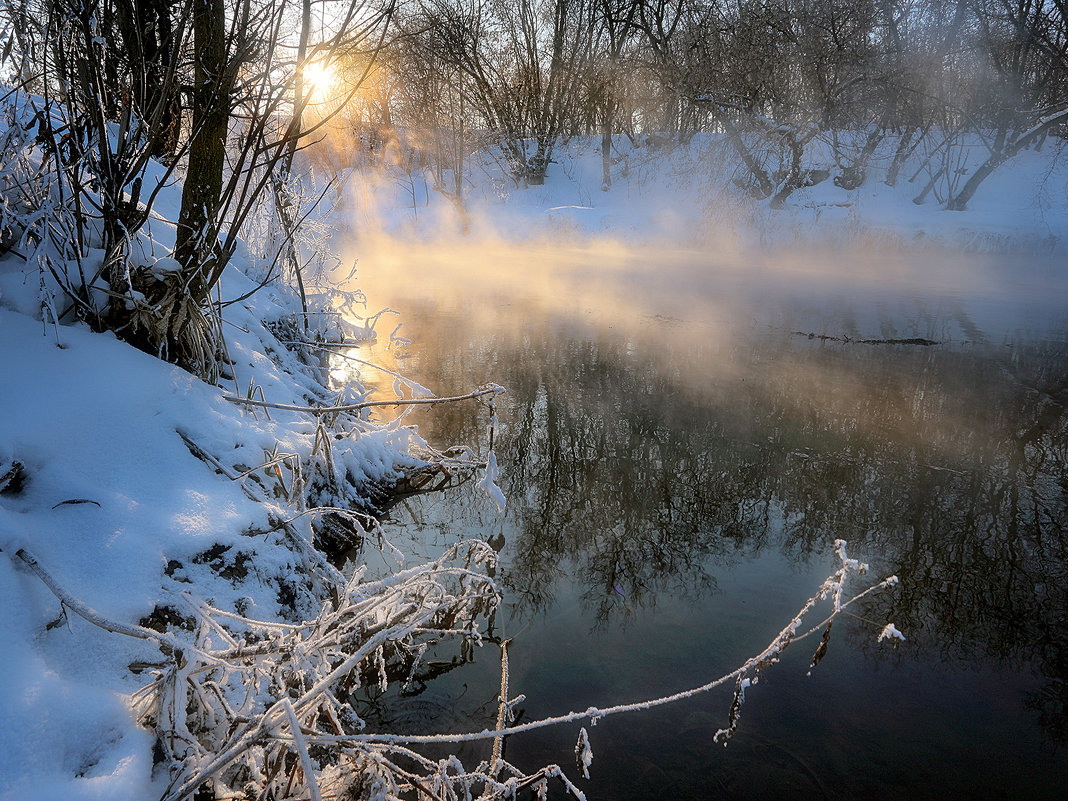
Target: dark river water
684 436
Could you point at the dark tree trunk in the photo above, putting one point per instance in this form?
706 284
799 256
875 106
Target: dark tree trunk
148 36
855 174
538 164
197 248
960 200
921 198
1002 153
282 201
606 153
793 177
759 174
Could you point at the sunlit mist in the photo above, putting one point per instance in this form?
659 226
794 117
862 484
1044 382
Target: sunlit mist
859 293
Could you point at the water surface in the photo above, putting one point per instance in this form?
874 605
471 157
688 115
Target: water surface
684 436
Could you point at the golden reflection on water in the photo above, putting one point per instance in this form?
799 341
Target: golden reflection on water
681 392
722 326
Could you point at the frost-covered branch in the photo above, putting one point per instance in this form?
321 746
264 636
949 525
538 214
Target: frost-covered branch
300 675
831 588
231 713
491 389
91 615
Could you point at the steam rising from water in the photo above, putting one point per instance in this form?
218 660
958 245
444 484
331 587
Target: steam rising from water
716 290
740 329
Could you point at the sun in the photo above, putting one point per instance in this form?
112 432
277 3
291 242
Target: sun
318 80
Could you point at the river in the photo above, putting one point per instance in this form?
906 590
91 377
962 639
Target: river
684 436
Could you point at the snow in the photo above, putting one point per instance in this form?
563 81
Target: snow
488 482
890 632
583 752
684 196
113 496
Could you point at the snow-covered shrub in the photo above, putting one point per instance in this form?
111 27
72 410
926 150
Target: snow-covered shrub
37 218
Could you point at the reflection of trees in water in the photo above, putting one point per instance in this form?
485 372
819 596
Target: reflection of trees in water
963 497
981 547
646 467
605 464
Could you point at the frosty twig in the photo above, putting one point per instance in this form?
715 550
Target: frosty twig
491 389
231 714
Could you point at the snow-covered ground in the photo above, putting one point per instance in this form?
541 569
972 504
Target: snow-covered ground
684 195
99 485
103 489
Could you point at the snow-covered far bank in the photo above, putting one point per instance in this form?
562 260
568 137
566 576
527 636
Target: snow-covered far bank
687 195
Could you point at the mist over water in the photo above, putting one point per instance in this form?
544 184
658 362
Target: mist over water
859 293
685 433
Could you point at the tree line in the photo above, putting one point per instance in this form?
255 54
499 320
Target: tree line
769 75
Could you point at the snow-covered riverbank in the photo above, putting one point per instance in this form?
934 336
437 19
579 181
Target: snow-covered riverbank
105 482
685 195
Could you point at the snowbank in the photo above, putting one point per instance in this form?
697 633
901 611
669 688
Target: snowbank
684 195
105 492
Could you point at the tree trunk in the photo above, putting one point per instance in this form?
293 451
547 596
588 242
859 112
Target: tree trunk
922 197
606 154
538 164
197 248
282 201
760 175
1002 154
299 101
853 176
606 142
793 177
458 147
900 155
148 36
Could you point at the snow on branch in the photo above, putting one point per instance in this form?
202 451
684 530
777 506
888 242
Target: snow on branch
255 712
490 389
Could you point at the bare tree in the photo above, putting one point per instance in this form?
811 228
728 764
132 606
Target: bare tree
522 69
109 73
1024 44
615 24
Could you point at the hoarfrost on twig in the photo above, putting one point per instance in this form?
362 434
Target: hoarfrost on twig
583 753
257 705
890 632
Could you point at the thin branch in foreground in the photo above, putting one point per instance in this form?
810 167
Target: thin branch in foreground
831 588
490 389
302 751
91 615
